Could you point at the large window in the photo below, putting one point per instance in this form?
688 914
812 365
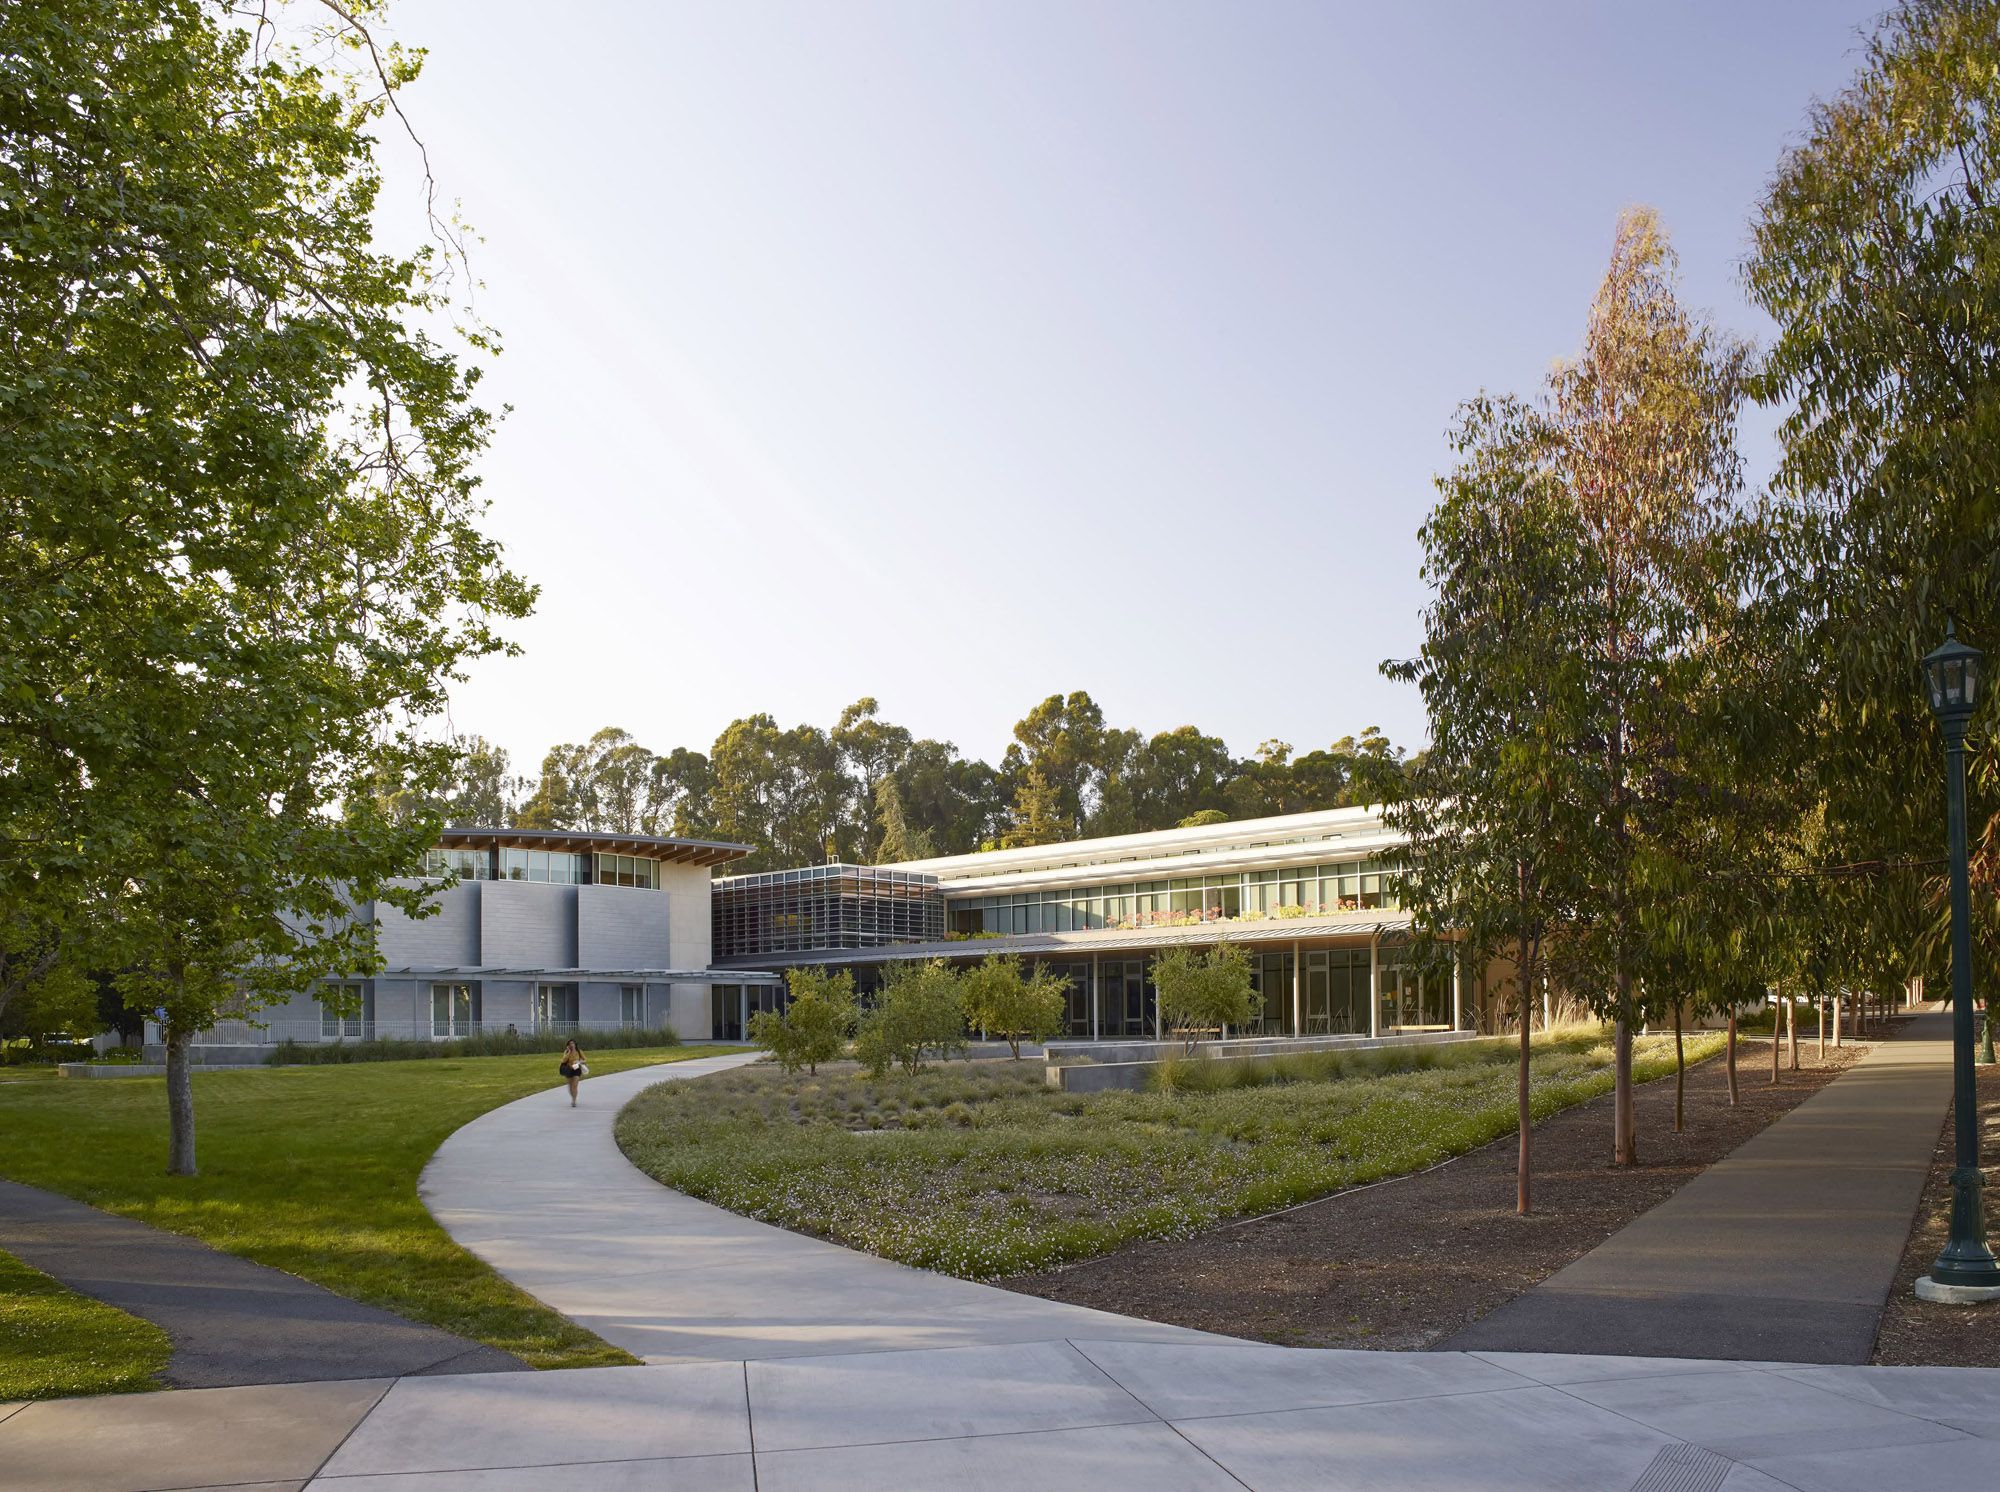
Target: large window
631 1005
467 865
558 866
1294 891
824 906
555 1007
626 870
454 1009
346 1012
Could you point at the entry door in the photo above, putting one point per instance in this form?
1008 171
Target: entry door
555 1007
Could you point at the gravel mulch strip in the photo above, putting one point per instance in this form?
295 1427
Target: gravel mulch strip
1403 1264
1915 1332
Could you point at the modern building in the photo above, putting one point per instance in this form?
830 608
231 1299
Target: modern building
553 930
1309 896
533 931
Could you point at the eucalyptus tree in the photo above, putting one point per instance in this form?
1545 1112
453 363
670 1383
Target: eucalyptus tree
1644 426
1877 253
240 546
1496 811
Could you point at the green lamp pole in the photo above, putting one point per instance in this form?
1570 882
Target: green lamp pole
1966 1270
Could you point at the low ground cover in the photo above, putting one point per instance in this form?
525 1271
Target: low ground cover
314 1171
978 1169
55 1343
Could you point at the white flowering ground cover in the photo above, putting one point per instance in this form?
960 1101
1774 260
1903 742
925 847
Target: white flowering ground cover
980 1170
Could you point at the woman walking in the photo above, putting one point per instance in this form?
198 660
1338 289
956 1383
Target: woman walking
573 1068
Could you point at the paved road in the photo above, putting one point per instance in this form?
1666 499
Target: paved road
1786 1249
231 1321
542 1193
1108 1416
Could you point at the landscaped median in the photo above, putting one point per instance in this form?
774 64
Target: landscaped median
312 1170
979 1169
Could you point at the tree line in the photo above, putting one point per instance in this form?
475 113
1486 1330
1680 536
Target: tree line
868 790
1679 750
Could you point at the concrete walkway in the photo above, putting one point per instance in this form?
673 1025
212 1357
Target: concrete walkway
542 1193
1785 1249
231 1321
1107 1416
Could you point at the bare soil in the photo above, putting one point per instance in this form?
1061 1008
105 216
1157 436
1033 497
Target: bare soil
1916 1332
1404 1263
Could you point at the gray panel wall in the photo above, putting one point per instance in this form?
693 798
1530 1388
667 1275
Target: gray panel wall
525 924
447 939
623 927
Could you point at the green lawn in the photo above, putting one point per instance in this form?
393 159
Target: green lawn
978 1169
312 1170
54 1342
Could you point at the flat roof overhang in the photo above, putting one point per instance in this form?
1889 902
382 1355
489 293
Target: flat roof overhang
584 841
629 976
1346 926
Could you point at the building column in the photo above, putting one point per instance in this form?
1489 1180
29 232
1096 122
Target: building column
742 1012
1159 1026
1096 997
1375 983
1298 991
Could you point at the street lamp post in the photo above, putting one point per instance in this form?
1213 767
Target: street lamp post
1966 1271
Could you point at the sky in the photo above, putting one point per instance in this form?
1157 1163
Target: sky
960 354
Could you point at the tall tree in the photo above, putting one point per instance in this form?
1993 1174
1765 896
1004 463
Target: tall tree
1877 253
1497 812
1063 741
240 554
870 749
1644 431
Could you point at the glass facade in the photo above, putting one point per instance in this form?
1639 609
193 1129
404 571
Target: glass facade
555 1007
355 1020
555 867
1250 895
824 906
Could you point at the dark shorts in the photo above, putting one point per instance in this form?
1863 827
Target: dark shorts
566 1070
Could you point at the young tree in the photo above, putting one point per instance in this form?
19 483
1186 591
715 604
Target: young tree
920 1007
1201 989
1494 812
816 1023
240 555
1002 1002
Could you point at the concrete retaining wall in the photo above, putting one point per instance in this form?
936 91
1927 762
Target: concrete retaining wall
1129 1065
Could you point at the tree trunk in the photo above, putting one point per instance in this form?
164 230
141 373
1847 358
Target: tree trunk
1792 1031
1729 1056
1523 1109
1838 1001
1777 1036
1819 1010
1680 1073
180 1105
1624 1147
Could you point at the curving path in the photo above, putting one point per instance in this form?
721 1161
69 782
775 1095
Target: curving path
542 1193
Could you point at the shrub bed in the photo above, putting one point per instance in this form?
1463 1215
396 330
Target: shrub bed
980 1170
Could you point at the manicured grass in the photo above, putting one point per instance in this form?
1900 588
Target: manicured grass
55 1342
978 1169
314 1171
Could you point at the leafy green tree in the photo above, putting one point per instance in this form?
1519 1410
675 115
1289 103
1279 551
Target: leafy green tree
899 841
1178 773
870 749
954 803
240 554
1062 754
1203 989
1496 812
1003 1002
1877 254
920 1008
1643 425
780 790
815 1024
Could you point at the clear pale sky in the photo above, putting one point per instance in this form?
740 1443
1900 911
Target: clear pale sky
960 354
